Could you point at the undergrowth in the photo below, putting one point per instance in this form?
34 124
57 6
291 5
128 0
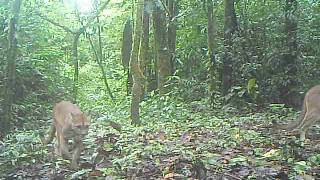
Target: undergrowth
175 140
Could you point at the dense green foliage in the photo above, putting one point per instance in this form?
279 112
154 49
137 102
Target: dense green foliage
181 135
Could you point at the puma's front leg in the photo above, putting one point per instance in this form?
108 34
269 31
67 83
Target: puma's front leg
57 146
76 154
65 134
64 150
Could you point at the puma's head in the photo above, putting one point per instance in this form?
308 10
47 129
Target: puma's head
80 124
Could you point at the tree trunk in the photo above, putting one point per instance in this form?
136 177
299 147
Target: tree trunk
99 57
100 60
212 48
76 65
144 58
138 78
172 32
161 45
126 52
11 69
230 25
287 91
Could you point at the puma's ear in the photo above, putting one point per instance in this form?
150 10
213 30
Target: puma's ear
86 116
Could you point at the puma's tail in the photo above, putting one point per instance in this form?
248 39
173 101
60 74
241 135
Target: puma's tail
51 134
295 124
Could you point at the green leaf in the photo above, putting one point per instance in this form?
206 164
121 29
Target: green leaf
301 167
238 160
252 83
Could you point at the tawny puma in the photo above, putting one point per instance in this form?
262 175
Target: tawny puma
69 123
310 113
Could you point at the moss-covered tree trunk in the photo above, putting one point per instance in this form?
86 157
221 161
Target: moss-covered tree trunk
212 50
137 75
144 58
230 25
11 68
161 45
287 90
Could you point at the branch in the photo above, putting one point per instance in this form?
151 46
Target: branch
55 23
165 7
97 14
81 30
180 15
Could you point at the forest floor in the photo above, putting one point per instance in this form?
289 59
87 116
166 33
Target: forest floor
176 141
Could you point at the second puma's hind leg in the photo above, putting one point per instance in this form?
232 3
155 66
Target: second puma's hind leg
307 122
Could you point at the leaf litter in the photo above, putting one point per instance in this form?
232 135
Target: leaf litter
202 144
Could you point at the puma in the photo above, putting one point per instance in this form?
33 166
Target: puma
310 113
69 123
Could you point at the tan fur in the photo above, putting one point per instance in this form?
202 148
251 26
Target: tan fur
310 113
69 123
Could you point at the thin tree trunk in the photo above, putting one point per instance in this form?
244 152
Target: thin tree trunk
291 55
161 45
126 52
230 25
172 32
133 2
103 73
76 65
11 69
105 80
212 48
138 78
